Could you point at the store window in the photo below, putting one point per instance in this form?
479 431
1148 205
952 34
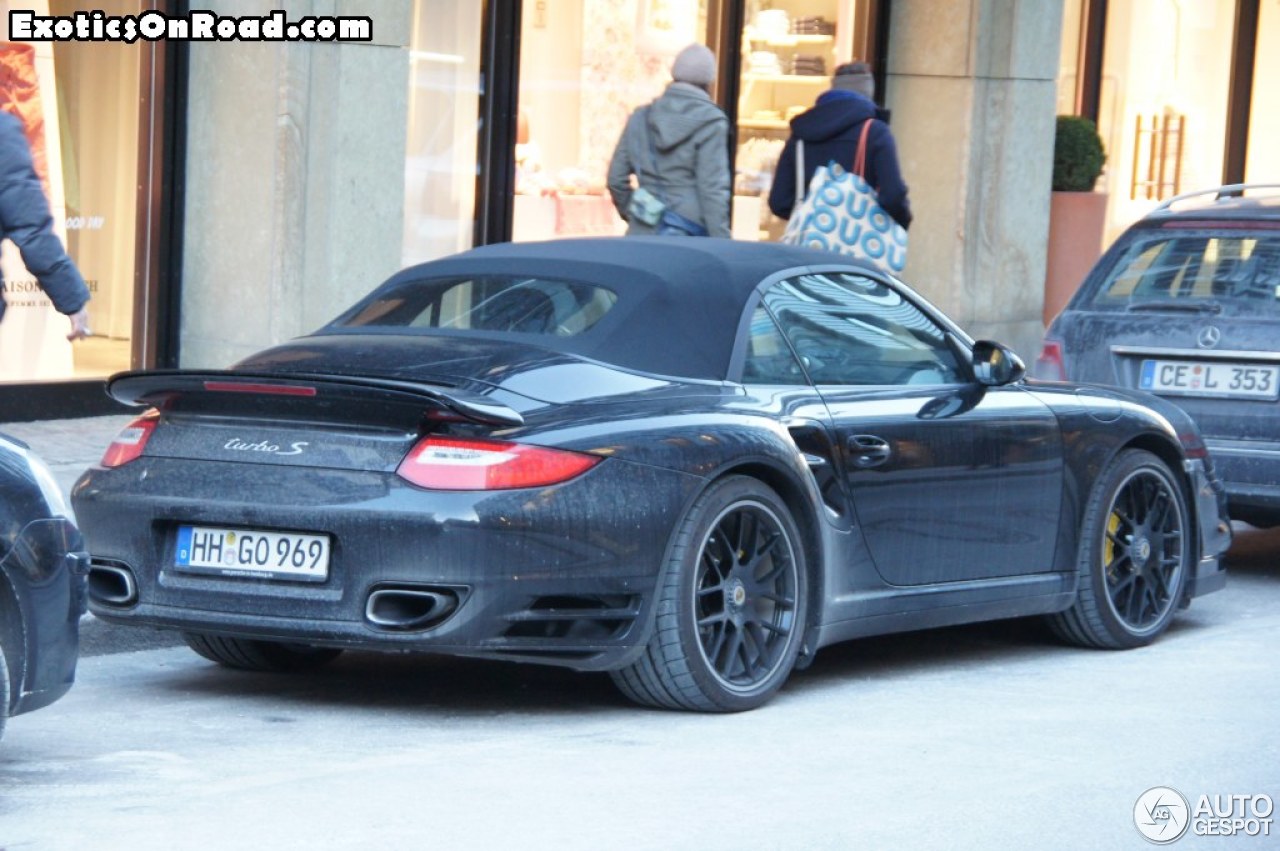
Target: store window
1262 163
789 50
441 149
1163 106
1071 56
584 66
79 103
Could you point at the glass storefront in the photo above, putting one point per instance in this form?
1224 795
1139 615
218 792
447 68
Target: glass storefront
441 149
1262 163
1163 105
585 65
790 48
80 106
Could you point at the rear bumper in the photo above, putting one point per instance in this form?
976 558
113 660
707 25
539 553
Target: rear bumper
1214 528
1250 470
45 571
561 575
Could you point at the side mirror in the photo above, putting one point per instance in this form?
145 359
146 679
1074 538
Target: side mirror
995 365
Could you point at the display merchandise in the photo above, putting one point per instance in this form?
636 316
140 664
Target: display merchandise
791 49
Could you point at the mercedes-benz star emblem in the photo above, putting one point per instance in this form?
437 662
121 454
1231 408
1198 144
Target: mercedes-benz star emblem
1209 337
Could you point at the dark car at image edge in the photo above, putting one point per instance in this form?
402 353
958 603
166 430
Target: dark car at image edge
43 570
690 463
1186 305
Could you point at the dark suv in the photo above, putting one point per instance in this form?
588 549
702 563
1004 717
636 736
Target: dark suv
1186 305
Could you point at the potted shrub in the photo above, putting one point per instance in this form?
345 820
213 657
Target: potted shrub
1077 214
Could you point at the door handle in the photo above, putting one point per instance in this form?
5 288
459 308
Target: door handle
867 450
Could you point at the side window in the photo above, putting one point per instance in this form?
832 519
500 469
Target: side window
769 358
849 329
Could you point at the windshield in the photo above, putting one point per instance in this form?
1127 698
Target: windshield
1233 273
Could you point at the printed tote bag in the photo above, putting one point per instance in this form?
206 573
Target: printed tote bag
841 213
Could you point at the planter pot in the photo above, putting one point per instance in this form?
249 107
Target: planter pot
1076 223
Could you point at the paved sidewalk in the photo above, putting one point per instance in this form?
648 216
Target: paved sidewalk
68 446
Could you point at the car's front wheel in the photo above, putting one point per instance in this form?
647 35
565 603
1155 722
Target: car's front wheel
4 691
1134 556
731 605
253 655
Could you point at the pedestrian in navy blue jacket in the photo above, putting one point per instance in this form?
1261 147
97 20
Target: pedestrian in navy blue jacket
25 219
830 132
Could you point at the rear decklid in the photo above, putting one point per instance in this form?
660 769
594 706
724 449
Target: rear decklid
300 419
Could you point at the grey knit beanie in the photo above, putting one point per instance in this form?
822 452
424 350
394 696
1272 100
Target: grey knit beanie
855 77
695 64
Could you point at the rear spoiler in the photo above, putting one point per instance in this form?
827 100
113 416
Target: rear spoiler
155 386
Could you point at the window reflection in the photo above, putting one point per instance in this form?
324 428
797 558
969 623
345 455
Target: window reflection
849 329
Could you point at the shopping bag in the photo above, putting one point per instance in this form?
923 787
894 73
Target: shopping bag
841 213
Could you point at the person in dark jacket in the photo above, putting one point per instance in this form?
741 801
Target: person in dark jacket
25 219
830 131
678 148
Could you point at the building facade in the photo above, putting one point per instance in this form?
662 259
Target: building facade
239 194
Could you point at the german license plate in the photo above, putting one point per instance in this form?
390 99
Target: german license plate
248 552
1210 378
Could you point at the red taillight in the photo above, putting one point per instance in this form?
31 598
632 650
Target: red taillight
1193 444
467 464
264 389
130 442
1051 365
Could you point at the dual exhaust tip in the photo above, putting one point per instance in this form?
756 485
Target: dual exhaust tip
409 608
400 608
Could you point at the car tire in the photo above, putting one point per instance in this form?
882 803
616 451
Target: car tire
4 691
730 610
1134 556
252 655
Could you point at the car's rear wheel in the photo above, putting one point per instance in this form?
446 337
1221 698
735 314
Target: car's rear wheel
253 655
1134 557
731 606
4 691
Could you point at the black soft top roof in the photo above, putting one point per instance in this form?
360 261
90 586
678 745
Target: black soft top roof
679 299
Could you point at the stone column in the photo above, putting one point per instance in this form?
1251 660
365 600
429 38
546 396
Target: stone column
971 84
294 179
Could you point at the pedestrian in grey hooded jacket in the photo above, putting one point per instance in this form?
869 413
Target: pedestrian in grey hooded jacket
678 149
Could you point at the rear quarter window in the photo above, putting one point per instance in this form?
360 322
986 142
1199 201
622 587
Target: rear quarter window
495 304
1234 272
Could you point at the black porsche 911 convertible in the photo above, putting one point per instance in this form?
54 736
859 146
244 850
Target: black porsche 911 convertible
689 462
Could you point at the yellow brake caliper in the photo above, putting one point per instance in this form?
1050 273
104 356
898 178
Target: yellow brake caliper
1109 547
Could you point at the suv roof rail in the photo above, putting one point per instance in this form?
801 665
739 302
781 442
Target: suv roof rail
1234 190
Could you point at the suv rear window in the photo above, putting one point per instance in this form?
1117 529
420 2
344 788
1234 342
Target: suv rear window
516 304
1236 273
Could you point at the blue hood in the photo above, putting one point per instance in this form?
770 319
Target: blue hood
834 113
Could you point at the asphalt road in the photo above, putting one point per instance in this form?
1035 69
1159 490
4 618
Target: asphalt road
991 736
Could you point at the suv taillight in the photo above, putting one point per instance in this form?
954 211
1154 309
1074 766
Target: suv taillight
1051 365
470 464
130 442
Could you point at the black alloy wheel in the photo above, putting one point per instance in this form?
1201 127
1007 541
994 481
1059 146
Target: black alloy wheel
1135 554
4 691
731 608
745 595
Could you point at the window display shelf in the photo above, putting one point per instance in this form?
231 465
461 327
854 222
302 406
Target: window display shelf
790 40
764 124
787 78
